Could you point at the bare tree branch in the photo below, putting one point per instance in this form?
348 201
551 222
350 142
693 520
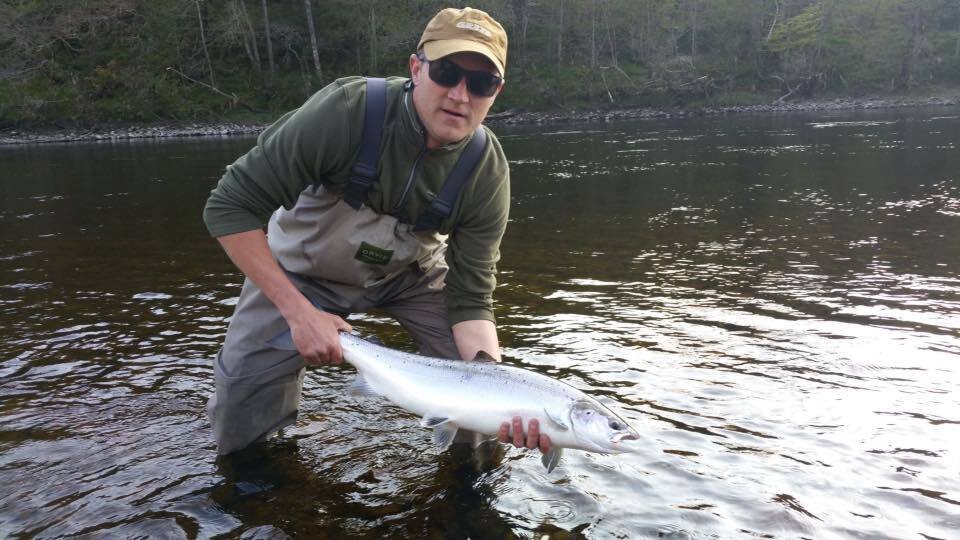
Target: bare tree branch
232 97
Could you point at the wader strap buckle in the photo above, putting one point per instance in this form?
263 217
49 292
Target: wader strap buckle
364 171
442 204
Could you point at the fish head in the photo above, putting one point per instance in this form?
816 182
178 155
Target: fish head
601 428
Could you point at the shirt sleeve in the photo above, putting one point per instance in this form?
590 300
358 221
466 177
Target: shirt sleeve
298 150
474 244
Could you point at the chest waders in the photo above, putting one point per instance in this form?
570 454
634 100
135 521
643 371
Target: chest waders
340 239
340 252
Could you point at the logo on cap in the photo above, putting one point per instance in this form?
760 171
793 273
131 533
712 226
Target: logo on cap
475 27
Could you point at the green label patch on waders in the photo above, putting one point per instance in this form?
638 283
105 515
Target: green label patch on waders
371 254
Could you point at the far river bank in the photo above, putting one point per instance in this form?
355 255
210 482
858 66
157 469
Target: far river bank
512 117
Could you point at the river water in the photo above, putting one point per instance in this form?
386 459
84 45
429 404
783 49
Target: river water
773 301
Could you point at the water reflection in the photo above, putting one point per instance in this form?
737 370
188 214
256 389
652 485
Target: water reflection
773 301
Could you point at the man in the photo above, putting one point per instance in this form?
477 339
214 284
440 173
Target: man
360 229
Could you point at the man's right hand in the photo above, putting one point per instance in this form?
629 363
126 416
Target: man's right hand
314 332
317 336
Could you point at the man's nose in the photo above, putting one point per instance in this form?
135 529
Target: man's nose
458 92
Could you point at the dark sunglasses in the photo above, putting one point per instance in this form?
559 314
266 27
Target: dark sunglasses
446 73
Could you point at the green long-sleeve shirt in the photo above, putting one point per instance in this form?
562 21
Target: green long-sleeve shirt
319 142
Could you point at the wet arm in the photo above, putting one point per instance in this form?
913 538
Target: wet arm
474 336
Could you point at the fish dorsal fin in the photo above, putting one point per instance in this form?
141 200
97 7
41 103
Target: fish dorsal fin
551 458
361 387
556 421
483 356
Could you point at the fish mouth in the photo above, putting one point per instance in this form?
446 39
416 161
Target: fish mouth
620 437
626 442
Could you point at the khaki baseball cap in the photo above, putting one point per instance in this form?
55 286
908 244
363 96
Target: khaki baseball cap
465 30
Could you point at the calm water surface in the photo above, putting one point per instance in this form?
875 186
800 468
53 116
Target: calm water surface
773 301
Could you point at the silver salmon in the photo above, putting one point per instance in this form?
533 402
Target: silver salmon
479 396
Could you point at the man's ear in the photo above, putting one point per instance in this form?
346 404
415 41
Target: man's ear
415 65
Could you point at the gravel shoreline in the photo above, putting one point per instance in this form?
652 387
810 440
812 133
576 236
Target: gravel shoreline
512 117
515 117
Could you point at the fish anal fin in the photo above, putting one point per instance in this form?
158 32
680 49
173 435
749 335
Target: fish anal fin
483 356
556 421
361 387
443 435
551 458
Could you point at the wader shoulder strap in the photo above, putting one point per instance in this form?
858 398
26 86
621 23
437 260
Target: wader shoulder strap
443 203
364 171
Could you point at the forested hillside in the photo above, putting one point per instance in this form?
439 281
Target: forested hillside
87 61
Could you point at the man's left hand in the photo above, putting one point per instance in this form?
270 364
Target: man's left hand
513 432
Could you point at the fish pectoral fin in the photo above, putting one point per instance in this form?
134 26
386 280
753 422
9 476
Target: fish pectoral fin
443 435
361 387
483 356
555 420
282 341
551 458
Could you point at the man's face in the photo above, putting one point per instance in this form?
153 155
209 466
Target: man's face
449 114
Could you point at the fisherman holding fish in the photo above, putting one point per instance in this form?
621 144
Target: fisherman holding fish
376 193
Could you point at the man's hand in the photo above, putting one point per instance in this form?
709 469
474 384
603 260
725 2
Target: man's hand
317 336
481 335
314 332
514 434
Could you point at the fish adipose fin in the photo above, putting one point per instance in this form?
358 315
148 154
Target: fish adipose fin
361 387
551 458
483 356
